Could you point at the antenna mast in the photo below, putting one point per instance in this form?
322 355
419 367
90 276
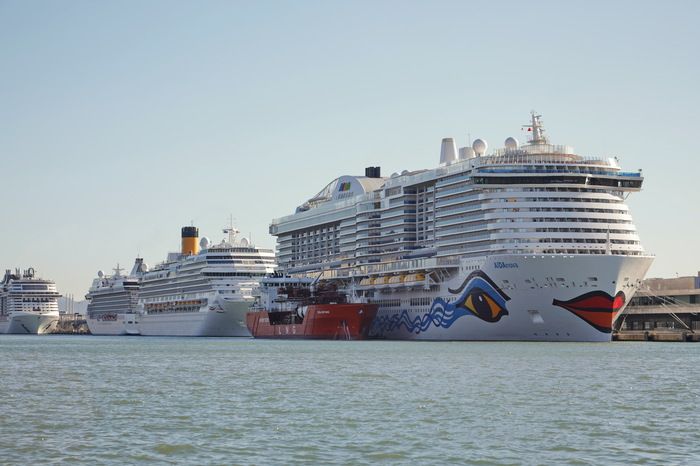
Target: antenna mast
231 230
537 129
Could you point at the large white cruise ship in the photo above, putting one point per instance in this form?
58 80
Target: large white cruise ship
27 304
112 300
530 242
201 293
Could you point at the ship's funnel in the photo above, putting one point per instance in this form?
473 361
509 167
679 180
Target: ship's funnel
373 172
448 151
466 153
190 235
139 267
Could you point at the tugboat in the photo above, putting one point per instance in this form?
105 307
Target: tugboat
298 308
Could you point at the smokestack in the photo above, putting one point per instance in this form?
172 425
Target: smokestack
190 245
448 152
466 153
373 172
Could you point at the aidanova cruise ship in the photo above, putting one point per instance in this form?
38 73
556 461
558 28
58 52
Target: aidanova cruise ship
112 300
203 292
530 242
28 304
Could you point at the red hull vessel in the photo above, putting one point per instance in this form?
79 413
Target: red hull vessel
320 321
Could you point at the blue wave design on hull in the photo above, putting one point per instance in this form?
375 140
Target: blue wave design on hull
479 297
442 315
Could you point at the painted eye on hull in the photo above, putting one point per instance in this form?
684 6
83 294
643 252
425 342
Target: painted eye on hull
481 297
483 306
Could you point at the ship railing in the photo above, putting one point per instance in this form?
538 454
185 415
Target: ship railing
378 268
564 171
552 159
415 178
519 157
536 149
409 264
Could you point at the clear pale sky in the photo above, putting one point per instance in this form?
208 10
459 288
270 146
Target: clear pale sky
122 121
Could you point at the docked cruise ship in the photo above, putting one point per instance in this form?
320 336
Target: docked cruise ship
203 292
27 304
112 300
528 242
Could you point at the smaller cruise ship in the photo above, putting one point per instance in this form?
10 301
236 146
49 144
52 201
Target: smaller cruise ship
28 305
204 290
112 300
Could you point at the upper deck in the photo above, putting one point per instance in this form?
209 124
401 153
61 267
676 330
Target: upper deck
542 164
536 198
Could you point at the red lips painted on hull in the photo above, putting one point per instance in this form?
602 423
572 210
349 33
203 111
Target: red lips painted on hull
596 307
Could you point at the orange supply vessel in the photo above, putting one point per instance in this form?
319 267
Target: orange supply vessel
295 308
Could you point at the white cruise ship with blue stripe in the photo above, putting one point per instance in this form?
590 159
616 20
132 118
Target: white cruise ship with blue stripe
528 242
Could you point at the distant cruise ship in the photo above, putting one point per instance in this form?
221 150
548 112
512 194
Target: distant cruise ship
27 304
529 242
112 300
201 293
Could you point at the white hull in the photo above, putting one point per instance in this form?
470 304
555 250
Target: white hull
531 289
107 327
29 323
227 320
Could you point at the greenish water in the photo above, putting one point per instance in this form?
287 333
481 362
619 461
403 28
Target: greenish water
138 400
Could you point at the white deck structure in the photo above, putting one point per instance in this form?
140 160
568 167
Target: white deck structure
538 234
28 305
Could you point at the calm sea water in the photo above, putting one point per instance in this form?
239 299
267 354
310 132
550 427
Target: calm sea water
104 400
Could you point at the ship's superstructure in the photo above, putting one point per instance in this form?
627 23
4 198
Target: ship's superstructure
290 307
112 300
28 304
527 242
202 293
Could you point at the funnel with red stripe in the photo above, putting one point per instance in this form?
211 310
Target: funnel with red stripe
597 308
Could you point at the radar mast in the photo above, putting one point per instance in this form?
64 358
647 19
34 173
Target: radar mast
537 129
231 231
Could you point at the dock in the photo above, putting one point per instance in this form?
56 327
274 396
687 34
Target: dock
654 335
664 309
71 324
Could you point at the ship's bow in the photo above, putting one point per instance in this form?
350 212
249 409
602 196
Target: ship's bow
566 297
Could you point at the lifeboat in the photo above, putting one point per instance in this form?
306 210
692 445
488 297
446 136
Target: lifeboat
414 279
369 281
396 281
382 281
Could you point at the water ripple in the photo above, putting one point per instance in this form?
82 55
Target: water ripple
88 400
